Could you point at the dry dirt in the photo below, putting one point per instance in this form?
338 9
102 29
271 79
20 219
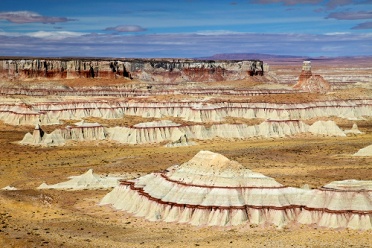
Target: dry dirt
53 218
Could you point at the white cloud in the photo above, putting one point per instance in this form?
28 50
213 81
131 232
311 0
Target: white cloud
337 33
29 17
54 35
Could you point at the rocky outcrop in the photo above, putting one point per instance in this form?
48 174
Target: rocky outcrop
39 137
156 70
311 83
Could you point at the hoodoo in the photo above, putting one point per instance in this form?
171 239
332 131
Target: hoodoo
309 82
39 137
207 190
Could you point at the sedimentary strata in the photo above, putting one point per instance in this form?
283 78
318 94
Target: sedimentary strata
176 134
142 90
207 190
155 70
339 204
213 190
48 113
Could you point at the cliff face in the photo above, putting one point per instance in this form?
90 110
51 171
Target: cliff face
157 70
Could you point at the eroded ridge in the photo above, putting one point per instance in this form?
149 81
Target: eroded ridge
213 190
49 113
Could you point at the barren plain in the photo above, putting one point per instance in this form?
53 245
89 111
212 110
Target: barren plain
61 218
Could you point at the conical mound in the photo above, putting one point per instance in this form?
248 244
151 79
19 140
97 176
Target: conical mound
339 204
207 190
212 169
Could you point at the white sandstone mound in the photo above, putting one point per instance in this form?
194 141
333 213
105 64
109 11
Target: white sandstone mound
39 137
364 152
350 184
340 204
88 180
354 130
9 188
327 128
207 190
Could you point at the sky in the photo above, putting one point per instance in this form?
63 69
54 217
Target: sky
184 28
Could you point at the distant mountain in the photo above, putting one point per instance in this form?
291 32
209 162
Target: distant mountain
251 56
277 58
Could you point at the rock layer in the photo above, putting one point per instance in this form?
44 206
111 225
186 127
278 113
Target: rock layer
212 190
156 70
340 204
176 134
47 113
207 190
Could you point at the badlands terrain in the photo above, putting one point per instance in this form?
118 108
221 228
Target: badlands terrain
137 118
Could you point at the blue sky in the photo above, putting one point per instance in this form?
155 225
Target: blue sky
185 28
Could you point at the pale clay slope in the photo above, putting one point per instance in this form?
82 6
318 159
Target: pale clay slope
88 180
328 128
213 190
9 188
364 152
353 130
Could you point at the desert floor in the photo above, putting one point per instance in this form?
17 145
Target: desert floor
53 218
